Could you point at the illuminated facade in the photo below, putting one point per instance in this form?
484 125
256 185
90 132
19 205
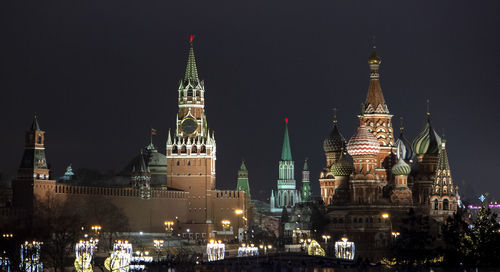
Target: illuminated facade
287 194
179 185
371 181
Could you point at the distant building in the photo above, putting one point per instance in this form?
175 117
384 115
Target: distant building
179 186
287 194
369 183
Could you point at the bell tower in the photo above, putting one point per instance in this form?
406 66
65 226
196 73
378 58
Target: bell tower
191 147
376 116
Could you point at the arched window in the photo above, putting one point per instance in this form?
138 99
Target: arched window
39 139
436 204
446 205
174 149
178 163
190 92
183 149
194 149
189 163
203 149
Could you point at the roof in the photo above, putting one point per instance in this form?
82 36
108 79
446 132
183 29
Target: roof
375 102
363 142
286 152
35 126
427 142
191 74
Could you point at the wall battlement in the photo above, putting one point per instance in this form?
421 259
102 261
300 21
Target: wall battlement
110 191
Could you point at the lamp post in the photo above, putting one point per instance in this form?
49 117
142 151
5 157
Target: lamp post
238 213
225 225
386 217
326 237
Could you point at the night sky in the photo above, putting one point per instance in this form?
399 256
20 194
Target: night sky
100 73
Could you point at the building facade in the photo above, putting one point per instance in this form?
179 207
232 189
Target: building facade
371 182
179 187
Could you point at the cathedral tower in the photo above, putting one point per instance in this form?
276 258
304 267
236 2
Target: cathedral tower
377 118
364 148
333 146
443 200
426 147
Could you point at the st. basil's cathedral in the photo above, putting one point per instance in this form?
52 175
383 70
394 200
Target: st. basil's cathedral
372 180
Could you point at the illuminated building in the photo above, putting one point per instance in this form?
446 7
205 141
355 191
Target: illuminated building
180 184
370 182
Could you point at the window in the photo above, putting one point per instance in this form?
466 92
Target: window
446 204
39 139
189 163
436 204
178 163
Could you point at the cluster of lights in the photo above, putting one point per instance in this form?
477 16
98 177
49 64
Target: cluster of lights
248 250
326 237
84 251
30 257
215 250
344 250
4 264
120 258
471 207
395 234
7 235
169 226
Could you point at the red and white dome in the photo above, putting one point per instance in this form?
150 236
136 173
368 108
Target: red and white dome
363 143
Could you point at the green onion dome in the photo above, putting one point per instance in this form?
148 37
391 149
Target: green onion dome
401 168
343 166
335 142
428 141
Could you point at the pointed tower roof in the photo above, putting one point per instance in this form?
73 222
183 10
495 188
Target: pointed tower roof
375 102
35 126
404 148
286 153
443 181
243 167
191 71
306 166
335 142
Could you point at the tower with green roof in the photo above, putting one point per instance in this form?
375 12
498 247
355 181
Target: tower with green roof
287 194
242 184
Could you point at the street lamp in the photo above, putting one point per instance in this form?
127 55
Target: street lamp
238 213
225 225
169 227
326 237
385 215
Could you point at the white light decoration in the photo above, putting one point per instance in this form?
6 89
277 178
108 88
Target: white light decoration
4 264
215 250
344 250
246 251
120 258
84 251
30 257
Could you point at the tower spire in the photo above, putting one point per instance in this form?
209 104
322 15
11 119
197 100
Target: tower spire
191 71
375 102
286 153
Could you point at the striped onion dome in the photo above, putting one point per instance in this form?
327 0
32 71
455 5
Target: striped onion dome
401 168
363 143
343 167
404 148
428 141
335 142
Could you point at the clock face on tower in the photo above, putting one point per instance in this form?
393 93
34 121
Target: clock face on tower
189 125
